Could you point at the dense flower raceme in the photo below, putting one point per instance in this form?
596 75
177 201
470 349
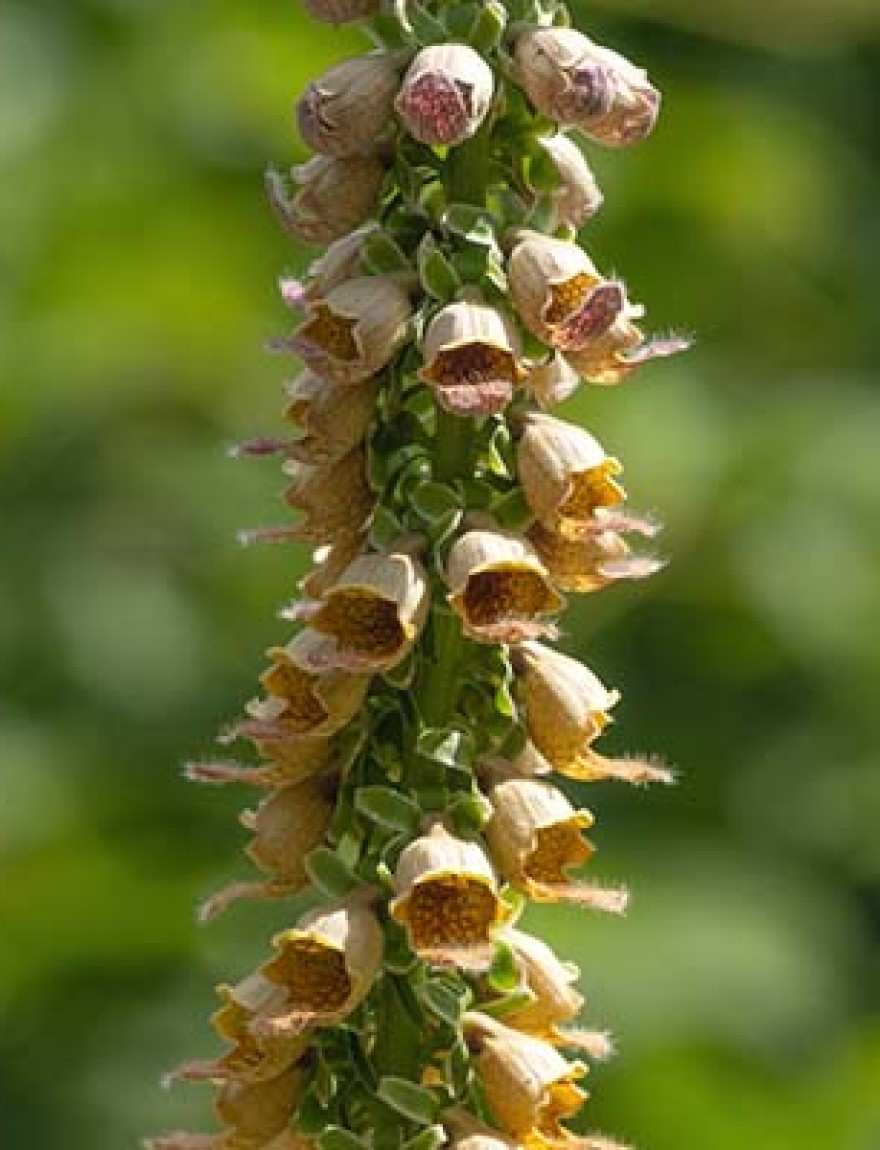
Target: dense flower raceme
414 729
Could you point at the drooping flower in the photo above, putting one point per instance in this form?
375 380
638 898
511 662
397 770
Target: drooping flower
447 898
535 837
559 294
582 85
325 198
445 94
499 587
471 356
335 498
591 562
355 330
335 420
372 614
341 113
621 349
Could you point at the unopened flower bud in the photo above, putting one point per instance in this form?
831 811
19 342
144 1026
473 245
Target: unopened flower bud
585 86
578 197
471 359
559 294
566 475
447 898
445 94
326 965
336 499
344 111
535 837
341 11
528 1085
330 197
335 419
500 588
354 332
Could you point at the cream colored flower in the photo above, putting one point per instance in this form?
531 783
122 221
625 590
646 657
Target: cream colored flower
356 330
326 198
335 420
528 1086
290 761
344 111
311 702
336 499
535 837
566 475
588 767
589 563
559 295
445 94
499 587
552 381
447 898
330 561
340 262
373 614
578 197
326 966
585 86
471 358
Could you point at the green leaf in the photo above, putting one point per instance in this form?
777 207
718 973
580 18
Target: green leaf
388 808
471 223
415 1102
442 1001
335 1138
448 747
380 255
516 1000
386 528
329 873
428 1139
489 27
469 814
512 511
439 278
427 29
504 974
433 501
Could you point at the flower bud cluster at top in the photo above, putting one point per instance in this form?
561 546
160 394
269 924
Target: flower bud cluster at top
408 733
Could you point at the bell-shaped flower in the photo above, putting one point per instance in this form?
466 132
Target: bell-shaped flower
591 562
325 198
445 94
582 85
559 294
447 898
311 702
535 837
471 356
372 615
499 587
355 330
326 965
335 498
341 113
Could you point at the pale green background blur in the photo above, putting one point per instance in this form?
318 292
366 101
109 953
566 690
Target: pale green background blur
137 268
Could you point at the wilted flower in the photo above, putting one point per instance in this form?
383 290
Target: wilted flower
336 498
355 331
290 761
373 613
334 419
445 94
582 85
559 294
535 837
311 702
328 197
471 359
500 588
330 561
622 348
447 898
288 823
326 966
528 1086
566 475
343 112
578 197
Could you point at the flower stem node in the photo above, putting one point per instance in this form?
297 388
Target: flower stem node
445 95
344 111
447 899
500 589
325 198
471 358
582 85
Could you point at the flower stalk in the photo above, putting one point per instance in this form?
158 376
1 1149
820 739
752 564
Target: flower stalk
411 731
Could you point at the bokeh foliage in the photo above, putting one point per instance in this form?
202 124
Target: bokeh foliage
137 269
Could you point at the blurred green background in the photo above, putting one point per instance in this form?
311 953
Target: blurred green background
137 286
